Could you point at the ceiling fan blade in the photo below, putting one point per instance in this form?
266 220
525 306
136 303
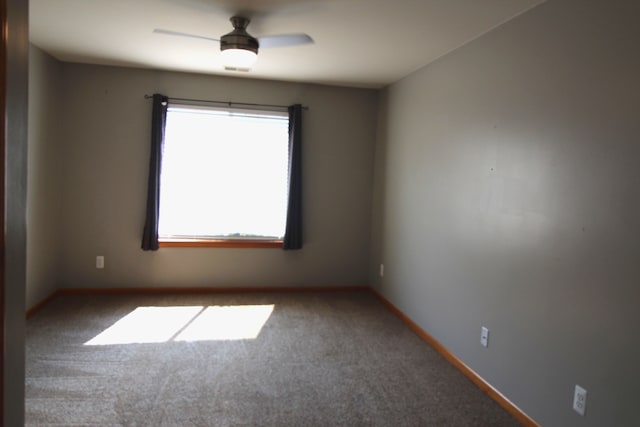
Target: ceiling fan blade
177 33
283 40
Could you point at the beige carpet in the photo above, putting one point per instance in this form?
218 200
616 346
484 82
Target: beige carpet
272 359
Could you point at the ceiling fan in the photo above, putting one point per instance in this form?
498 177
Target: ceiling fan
239 48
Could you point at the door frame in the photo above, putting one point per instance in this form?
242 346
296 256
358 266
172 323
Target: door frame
14 88
3 105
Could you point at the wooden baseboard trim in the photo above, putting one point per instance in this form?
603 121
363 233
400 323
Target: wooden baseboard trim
33 310
483 385
208 290
189 290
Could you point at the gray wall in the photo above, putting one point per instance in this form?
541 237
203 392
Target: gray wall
104 151
43 207
508 195
16 43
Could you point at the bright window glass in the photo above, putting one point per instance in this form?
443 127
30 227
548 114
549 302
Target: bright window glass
224 174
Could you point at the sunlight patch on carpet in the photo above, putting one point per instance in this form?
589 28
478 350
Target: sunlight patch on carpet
146 325
238 322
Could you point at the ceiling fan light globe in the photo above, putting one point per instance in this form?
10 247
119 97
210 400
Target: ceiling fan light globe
238 58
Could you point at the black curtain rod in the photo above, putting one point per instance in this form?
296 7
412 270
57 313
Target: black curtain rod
229 103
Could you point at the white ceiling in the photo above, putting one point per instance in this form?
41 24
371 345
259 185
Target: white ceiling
361 43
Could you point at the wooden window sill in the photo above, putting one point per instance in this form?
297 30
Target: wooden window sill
194 243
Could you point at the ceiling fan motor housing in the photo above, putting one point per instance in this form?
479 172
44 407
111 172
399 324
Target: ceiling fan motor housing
239 38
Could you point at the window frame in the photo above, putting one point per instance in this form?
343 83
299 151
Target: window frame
216 241
220 243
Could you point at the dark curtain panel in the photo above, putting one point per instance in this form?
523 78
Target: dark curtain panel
158 120
293 230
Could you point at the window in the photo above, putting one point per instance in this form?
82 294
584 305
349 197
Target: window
224 176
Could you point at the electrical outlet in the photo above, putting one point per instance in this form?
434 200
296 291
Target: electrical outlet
579 400
100 261
381 270
484 337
